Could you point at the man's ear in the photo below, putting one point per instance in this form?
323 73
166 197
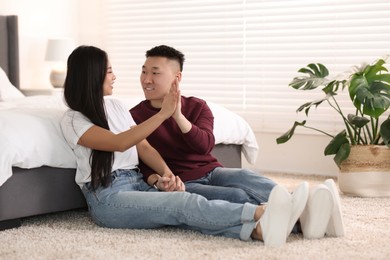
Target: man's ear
179 75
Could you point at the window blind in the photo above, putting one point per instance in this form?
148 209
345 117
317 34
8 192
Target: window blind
242 54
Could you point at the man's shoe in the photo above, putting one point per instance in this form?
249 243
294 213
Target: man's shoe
335 226
316 215
299 200
276 217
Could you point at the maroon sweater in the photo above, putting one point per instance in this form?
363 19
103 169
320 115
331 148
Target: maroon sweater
187 155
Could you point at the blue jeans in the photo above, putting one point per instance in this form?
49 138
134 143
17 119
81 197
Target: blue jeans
129 202
234 185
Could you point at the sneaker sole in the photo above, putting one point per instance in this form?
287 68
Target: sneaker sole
299 200
316 215
276 217
336 224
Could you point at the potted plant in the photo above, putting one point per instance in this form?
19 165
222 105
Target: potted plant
368 127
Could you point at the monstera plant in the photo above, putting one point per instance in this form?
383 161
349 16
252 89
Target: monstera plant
369 92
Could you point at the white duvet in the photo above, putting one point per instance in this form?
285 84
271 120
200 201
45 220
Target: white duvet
30 133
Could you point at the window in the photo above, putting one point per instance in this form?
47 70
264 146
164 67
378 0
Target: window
242 54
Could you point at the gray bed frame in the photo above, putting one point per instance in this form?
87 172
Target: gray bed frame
45 189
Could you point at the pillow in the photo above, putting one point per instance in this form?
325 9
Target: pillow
7 90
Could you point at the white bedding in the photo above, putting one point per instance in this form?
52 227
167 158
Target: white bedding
30 133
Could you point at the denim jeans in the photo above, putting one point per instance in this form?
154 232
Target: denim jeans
129 202
234 185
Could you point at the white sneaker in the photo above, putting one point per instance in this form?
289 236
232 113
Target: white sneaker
336 224
299 200
276 217
316 215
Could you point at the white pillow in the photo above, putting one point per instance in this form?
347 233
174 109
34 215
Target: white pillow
7 90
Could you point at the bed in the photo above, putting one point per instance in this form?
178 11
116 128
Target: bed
37 168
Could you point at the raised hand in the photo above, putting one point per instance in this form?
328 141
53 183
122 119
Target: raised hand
177 114
183 123
170 101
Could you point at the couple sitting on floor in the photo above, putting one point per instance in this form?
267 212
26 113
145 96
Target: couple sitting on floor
172 135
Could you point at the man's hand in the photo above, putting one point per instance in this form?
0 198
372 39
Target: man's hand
170 182
182 122
170 101
177 114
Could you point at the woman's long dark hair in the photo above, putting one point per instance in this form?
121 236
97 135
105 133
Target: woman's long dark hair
83 92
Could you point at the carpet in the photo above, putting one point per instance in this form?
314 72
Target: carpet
72 235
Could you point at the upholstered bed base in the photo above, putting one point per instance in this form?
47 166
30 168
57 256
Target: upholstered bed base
37 191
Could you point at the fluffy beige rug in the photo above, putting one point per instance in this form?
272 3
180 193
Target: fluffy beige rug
72 235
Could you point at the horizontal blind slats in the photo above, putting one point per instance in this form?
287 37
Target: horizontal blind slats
243 54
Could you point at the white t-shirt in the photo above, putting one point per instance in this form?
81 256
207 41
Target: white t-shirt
74 124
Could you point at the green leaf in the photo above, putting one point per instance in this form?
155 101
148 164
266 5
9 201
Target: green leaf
308 105
287 136
342 153
370 90
335 144
319 69
332 87
385 132
358 121
339 146
316 73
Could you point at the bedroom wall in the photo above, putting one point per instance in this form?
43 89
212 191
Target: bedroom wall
303 154
40 20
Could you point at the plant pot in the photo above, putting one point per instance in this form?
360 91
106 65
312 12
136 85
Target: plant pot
366 171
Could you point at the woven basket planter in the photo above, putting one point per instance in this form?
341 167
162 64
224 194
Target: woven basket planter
366 172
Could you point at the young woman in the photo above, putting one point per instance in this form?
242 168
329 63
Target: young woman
107 144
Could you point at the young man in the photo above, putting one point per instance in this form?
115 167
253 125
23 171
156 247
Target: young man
186 139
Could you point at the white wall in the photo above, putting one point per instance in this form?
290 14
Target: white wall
40 20
303 154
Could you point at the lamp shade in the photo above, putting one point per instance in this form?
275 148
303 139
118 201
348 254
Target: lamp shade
59 49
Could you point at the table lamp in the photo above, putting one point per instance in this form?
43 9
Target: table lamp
57 51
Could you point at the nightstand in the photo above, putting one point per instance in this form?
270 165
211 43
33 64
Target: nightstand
42 91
